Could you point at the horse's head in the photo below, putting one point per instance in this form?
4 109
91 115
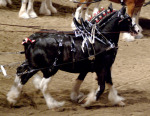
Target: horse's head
126 23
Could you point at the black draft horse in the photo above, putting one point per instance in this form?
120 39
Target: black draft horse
48 52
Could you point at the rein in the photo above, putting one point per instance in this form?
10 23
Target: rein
147 3
63 64
95 1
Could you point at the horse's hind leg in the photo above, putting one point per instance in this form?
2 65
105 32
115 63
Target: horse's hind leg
50 101
15 90
36 81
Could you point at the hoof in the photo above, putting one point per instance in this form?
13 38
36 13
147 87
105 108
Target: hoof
24 15
121 103
33 15
56 105
11 100
82 100
53 10
86 101
45 12
75 98
139 36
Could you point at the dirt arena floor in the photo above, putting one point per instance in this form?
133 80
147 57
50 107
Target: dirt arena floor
131 70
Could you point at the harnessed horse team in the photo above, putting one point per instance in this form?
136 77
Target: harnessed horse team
86 49
62 50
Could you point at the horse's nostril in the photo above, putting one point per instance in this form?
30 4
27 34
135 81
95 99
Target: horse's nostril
138 30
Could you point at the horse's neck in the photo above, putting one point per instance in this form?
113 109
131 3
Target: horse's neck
111 32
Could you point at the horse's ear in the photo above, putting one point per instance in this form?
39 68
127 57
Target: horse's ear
110 7
123 10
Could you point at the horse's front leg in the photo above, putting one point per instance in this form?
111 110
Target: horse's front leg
76 94
30 9
23 12
135 18
50 101
93 96
113 96
130 10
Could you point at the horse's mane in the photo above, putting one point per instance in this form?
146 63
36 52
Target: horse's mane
102 17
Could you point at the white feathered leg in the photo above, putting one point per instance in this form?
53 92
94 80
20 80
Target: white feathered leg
15 91
30 9
51 102
23 12
36 81
136 18
3 3
9 2
50 6
44 8
113 96
75 94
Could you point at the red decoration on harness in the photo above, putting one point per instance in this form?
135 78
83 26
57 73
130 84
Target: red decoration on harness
28 40
108 11
96 20
91 17
98 12
104 13
114 10
100 17
102 8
